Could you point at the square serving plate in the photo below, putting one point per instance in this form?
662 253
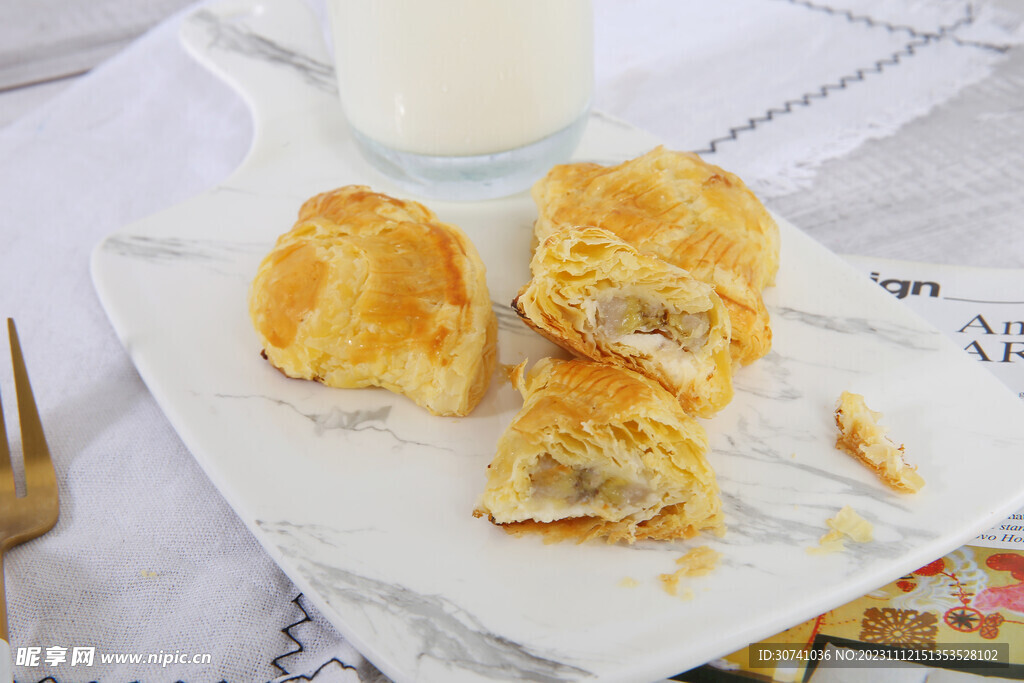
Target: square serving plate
365 499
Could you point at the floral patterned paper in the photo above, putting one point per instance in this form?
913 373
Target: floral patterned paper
971 596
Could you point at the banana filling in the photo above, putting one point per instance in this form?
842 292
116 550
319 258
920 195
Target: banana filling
620 318
584 490
651 329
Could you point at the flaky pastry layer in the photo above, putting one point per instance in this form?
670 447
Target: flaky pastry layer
685 211
861 435
600 452
603 299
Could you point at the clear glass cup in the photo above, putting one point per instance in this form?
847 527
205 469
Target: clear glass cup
464 99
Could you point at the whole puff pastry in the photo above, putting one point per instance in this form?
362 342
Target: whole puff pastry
603 299
369 290
685 211
599 451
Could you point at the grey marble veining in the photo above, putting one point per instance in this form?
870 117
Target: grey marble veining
176 249
223 257
772 381
346 421
908 336
446 633
225 33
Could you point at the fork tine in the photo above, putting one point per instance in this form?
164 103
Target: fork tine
6 471
35 453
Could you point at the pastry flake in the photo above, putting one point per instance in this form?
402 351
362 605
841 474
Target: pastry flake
369 290
603 299
685 211
700 561
846 524
600 452
861 435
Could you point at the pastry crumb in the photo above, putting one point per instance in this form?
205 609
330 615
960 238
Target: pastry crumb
832 542
508 372
670 582
864 438
629 582
850 524
846 524
698 562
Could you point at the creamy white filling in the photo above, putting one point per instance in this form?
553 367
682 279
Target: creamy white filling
678 364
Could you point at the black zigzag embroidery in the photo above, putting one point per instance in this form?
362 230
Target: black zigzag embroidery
944 31
920 39
321 668
287 630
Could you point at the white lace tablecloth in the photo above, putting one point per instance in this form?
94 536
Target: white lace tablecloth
820 107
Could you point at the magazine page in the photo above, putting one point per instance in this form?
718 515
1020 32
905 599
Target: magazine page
982 311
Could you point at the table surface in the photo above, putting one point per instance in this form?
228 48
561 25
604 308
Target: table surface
953 172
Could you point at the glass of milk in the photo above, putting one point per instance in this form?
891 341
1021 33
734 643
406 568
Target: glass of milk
464 99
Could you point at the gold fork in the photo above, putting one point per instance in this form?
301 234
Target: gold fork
23 518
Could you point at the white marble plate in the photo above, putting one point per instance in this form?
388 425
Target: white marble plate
365 500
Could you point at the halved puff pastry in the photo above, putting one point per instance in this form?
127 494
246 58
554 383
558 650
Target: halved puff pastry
369 290
685 211
599 451
601 298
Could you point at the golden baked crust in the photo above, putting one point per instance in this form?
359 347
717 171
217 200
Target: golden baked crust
864 438
369 290
685 211
603 299
598 451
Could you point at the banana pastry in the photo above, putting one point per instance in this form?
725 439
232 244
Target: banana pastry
369 290
599 451
685 211
603 299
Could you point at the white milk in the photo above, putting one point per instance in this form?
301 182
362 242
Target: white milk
462 77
